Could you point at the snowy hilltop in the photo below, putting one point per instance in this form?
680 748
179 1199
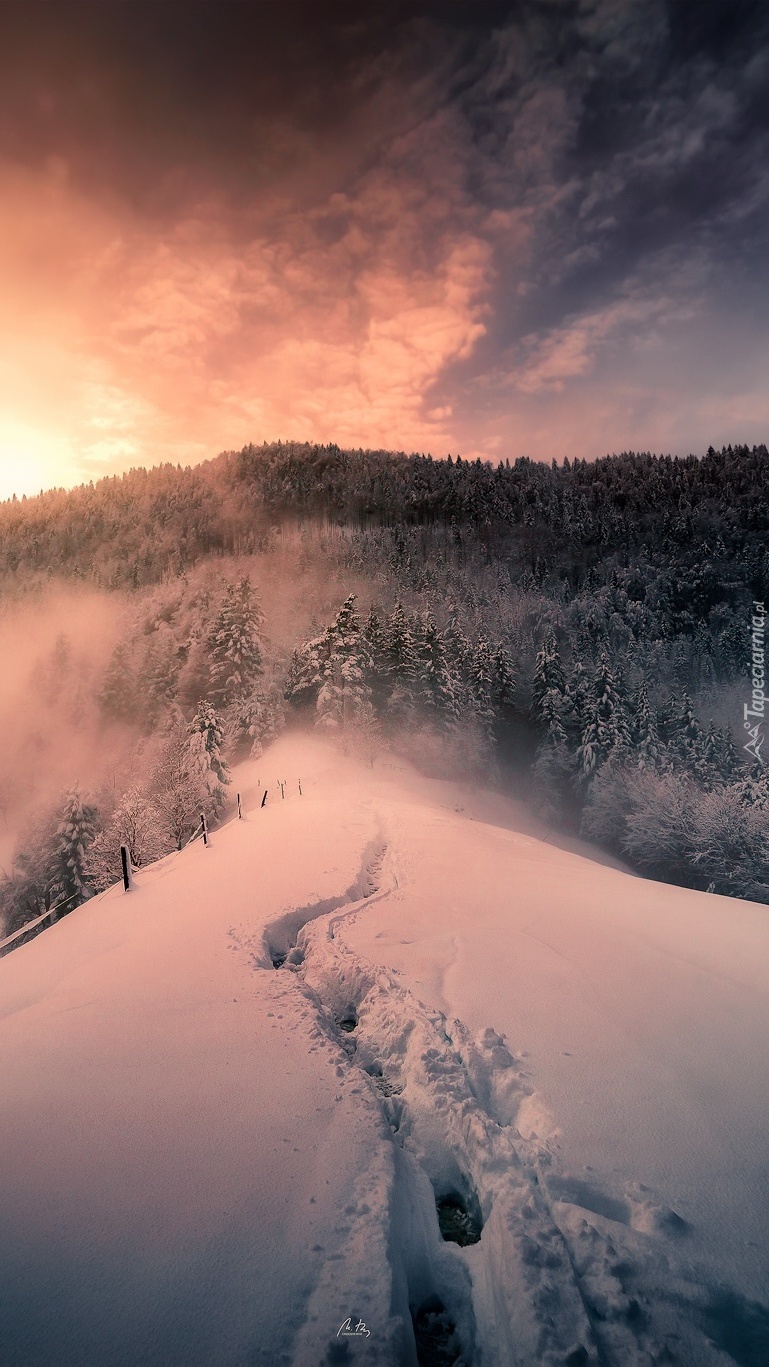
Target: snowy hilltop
382 1075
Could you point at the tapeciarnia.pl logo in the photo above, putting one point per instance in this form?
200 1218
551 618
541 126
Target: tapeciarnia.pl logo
755 709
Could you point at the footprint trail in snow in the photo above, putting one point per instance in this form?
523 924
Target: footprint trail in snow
494 1259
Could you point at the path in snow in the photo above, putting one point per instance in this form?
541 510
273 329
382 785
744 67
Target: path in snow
564 1272
208 1162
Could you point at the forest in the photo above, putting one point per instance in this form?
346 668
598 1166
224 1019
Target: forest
579 634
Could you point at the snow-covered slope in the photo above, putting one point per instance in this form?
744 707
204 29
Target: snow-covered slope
207 1160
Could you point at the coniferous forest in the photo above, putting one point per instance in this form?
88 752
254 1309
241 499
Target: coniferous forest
578 634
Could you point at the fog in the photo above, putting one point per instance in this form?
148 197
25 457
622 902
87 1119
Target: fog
54 648
56 644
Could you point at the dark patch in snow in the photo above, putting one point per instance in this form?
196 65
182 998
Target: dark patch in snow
738 1327
460 1222
435 1336
348 1022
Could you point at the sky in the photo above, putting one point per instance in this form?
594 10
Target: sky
497 229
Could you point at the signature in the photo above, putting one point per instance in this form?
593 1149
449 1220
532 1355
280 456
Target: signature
348 1330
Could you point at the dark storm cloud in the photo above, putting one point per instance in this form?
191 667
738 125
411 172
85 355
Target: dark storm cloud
488 226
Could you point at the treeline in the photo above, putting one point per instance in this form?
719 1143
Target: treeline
645 781
583 625
561 521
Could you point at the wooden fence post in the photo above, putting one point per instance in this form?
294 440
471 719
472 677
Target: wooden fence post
204 827
264 799
282 789
240 809
300 787
126 862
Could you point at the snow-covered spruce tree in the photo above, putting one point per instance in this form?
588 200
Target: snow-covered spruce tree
553 768
548 675
606 731
646 743
343 695
314 661
459 655
207 763
481 686
576 697
75 833
687 740
374 638
730 767
503 687
707 761
234 644
401 666
437 686
135 823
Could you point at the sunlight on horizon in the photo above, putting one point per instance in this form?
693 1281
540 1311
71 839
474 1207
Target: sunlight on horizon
33 459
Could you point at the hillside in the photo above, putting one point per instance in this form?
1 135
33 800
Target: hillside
584 633
234 1095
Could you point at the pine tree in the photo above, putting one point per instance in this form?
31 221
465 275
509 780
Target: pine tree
461 664
343 694
503 685
576 699
606 729
552 717
548 674
729 766
401 664
687 742
77 828
374 640
436 687
207 763
646 741
234 644
481 680
707 763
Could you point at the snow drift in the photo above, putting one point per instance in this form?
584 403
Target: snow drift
384 1076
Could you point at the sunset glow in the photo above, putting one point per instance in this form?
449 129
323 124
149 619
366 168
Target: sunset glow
460 229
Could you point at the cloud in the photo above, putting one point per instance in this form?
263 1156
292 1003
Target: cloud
572 350
442 229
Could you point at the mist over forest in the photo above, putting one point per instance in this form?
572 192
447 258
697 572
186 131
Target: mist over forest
579 634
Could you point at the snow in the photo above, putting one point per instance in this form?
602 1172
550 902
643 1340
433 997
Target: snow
201 1166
